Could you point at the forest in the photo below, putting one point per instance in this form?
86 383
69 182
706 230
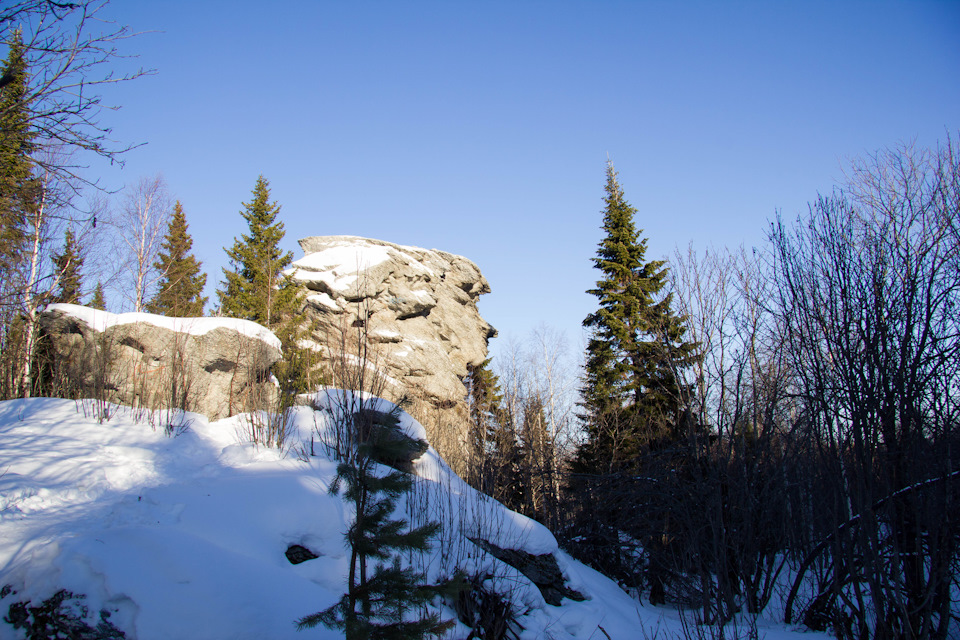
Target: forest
775 428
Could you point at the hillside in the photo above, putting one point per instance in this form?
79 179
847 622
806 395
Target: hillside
185 536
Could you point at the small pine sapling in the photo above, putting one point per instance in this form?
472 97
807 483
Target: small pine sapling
384 599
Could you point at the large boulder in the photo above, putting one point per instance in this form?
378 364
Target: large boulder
418 307
214 366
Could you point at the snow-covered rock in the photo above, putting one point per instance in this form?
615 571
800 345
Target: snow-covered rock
418 306
207 365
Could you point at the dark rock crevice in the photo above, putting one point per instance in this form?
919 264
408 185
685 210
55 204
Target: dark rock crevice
297 554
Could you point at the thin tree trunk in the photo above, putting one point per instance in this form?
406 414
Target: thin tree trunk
31 302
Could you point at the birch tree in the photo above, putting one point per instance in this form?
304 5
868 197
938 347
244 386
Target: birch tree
38 277
140 224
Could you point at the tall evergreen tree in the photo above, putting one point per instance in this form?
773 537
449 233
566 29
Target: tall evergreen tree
536 451
19 188
180 292
484 398
493 446
16 171
632 397
383 601
68 264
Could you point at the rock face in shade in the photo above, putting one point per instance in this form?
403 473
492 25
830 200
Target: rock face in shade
214 366
417 306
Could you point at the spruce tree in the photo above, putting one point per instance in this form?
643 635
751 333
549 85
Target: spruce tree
180 292
97 301
631 396
384 599
68 264
485 398
257 289
536 452
19 188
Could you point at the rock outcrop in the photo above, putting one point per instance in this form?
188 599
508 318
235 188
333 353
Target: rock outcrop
542 570
214 366
417 306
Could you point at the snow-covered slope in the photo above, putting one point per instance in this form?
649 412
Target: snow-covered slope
184 537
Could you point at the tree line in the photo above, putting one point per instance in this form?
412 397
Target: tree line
773 427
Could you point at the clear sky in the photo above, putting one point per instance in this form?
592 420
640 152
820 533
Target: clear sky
482 128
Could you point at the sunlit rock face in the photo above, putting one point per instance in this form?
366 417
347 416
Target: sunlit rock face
215 366
417 308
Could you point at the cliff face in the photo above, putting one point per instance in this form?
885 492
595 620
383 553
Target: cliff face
418 308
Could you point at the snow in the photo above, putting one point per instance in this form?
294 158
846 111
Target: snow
351 257
324 300
100 320
333 280
338 265
184 537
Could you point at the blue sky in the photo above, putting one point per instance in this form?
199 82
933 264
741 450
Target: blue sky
482 128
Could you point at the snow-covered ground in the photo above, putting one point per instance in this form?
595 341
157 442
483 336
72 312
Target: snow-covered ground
184 537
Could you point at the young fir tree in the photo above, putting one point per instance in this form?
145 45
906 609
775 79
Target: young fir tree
180 292
257 289
97 301
384 599
631 395
67 265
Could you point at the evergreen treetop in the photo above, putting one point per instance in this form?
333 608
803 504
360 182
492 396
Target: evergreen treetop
256 288
97 301
180 291
68 264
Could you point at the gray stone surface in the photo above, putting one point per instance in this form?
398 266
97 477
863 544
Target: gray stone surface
218 373
418 307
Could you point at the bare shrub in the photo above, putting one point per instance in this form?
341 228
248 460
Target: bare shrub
266 403
486 612
868 291
271 429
